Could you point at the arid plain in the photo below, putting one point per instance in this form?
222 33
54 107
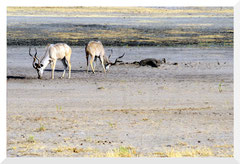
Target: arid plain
182 108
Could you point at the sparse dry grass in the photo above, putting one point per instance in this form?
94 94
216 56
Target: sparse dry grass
31 139
65 149
41 128
195 25
189 109
117 11
119 36
173 152
131 35
107 34
175 31
199 152
211 36
108 121
118 152
31 147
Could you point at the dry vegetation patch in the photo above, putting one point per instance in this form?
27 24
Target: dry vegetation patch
117 11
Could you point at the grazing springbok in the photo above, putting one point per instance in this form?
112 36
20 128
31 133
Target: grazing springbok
54 52
95 50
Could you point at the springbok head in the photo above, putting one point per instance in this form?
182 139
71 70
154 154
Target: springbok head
36 65
108 63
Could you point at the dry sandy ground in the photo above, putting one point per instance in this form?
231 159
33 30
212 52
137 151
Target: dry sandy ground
173 110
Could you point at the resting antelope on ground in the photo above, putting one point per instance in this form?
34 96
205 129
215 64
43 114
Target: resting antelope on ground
54 52
95 50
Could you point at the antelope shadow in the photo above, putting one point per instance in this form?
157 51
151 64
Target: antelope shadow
16 77
61 70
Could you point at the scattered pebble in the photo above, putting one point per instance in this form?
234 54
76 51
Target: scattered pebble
100 88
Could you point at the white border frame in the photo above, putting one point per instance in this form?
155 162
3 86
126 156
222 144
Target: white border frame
3 72
169 3
236 81
208 3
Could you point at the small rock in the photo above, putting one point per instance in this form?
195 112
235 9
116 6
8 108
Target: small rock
211 140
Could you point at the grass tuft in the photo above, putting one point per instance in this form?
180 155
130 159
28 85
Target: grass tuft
201 152
31 139
41 128
220 87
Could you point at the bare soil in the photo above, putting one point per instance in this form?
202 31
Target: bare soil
173 110
188 106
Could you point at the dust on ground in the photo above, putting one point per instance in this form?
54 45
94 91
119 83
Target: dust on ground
170 111
173 110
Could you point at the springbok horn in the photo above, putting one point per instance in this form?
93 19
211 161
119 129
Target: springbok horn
36 55
34 58
110 54
117 59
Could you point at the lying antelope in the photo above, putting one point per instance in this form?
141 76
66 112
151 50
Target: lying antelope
54 52
95 50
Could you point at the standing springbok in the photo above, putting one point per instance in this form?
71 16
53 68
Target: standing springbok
95 50
54 52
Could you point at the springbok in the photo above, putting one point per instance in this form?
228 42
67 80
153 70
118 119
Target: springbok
95 50
54 52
